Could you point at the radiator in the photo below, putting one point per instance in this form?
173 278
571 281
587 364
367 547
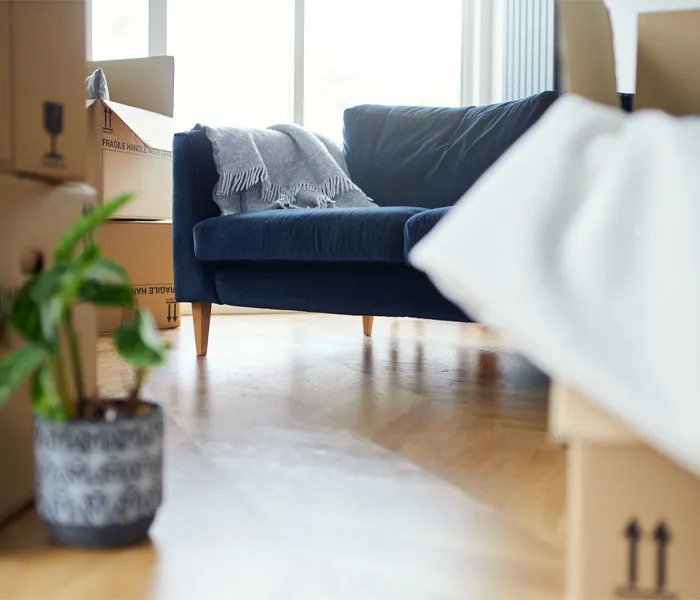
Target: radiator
529 47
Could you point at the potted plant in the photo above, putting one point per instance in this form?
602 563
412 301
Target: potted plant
98 461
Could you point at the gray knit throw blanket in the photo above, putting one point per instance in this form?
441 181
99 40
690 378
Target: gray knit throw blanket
284 166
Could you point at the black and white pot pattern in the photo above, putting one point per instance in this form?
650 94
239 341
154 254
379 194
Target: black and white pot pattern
96 479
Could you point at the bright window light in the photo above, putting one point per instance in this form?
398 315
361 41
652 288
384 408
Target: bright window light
233 61
379 51
119 29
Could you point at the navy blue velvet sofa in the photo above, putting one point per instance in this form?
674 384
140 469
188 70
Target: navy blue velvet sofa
414 162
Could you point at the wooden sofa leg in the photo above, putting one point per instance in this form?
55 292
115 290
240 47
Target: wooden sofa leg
201 311
487 361
367 323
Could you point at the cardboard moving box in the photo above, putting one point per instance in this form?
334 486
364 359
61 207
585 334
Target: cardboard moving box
33 215
573 416
130 147
586 50
130 151
42 89
633 524
144 249
667 54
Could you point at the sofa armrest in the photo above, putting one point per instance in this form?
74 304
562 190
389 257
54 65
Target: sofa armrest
194 178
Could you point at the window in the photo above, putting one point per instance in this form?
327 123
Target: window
381 52
236 61
119 29
233 61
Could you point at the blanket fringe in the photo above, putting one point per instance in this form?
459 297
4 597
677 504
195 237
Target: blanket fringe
332 187
232 183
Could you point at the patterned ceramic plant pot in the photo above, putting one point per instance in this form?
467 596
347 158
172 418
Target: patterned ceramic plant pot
99 483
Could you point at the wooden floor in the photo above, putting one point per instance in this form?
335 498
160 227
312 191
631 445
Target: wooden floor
307 462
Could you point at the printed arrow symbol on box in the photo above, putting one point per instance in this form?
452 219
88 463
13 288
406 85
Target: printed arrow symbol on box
175 312
662 536
633 534
169 318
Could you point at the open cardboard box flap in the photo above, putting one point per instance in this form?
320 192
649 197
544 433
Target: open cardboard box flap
131 136
668 53
154 130
667 59
587 51
146 83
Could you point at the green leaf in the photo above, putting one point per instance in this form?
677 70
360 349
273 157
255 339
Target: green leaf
86 278
105 283
17 366
106 294
86 225
45 399
106 271
48 291
48 283
90 253
28 317
138 342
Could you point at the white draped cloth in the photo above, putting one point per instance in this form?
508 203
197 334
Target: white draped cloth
582 247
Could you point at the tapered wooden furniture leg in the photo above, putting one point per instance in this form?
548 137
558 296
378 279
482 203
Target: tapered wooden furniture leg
487 361
201 311
367 323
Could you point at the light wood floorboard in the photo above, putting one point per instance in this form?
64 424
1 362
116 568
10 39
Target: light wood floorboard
306 461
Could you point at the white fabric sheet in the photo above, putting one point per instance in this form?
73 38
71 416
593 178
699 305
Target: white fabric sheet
582 246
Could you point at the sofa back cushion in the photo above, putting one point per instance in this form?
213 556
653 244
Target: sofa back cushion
428 157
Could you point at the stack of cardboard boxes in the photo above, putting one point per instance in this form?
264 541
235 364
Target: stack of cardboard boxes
56 160
129 150
632 514
42 154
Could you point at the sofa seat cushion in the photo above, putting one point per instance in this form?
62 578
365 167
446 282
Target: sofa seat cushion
315 235
418 226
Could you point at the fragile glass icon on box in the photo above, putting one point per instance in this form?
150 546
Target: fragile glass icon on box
53 125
